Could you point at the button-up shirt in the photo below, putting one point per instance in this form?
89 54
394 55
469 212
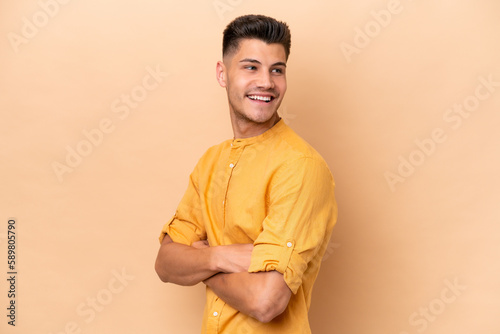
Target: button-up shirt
274 191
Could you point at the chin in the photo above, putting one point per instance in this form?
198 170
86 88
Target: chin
261 118
255 115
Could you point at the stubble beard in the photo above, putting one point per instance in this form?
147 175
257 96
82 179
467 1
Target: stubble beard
240 115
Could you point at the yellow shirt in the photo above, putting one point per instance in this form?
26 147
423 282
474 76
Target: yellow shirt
275 191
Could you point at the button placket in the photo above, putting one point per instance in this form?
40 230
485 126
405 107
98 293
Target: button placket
215 316
234 156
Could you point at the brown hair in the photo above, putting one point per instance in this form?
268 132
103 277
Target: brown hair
260 27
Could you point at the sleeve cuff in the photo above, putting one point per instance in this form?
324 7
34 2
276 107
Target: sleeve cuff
179 232
282 258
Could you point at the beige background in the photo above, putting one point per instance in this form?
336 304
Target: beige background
364 100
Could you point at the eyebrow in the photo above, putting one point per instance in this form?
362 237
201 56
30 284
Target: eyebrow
250 60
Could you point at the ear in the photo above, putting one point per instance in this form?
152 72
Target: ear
220 72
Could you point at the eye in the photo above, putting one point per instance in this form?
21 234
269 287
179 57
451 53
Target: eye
250 67
277 70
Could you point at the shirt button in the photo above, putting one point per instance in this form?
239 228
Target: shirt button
289 244
231 165
216 314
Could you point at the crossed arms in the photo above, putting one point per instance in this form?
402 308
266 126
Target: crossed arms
300 215
224 269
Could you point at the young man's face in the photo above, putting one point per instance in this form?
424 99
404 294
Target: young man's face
255 80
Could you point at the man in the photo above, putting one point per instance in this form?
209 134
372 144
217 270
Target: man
258 213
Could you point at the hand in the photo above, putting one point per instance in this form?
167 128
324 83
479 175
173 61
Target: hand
200 244
234 258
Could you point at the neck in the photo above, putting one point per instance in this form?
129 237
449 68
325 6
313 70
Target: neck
243 128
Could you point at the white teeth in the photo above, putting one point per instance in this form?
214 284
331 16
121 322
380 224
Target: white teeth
260 98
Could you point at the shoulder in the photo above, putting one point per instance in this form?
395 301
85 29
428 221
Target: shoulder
294 150
213 154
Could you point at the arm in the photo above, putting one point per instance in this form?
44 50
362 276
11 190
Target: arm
302 196
188 265
183 265
262 295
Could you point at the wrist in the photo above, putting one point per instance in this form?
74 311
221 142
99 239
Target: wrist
214 259
209 281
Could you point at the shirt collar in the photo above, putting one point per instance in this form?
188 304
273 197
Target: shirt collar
272 132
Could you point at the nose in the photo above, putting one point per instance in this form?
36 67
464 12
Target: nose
265 80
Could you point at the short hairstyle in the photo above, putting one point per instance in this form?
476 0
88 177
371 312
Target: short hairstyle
260 27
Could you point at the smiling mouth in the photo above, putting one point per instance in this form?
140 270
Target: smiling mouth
266 99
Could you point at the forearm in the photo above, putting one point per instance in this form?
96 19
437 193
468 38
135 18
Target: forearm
234 289
184 265
262 295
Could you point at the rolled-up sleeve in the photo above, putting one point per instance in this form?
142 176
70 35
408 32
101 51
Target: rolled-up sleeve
186 226
301 214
